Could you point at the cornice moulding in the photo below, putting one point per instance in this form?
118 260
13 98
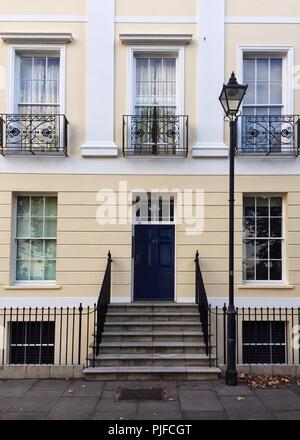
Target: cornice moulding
176 39
56 38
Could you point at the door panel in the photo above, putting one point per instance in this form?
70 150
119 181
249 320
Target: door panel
154 263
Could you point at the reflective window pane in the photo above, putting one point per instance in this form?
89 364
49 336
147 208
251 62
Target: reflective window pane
276 270
276 227
262 270
249 206
276 206
37 206
23 206
262 227
275 249
262 206
262 249
35 256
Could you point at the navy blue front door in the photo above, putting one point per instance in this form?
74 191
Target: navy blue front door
154 263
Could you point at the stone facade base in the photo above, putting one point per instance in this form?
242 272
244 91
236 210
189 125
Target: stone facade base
270 370
41 372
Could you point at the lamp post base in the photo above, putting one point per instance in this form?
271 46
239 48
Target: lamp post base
231 378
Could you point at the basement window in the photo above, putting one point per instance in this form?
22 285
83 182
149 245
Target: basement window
264 342
32 343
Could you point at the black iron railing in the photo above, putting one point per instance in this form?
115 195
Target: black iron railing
267 336
155 135
33 134
46 336
270 135
201 300
103 303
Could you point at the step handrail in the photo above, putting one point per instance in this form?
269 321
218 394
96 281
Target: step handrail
103 302
201 300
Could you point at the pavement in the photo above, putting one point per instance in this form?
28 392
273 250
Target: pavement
191 400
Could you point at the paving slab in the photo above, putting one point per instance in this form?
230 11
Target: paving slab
110 405
51 385
111 385
287 415
36 401
279 400
250 408
79 408
196 385
224 390
198 400
204 415
23 416
117 415
157 409
16 388
81 388
6 403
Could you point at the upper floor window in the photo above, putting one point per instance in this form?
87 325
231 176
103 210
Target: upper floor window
37 84
155 85
156 125
267 125
264 76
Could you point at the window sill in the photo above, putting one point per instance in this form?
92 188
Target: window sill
266 286
32 287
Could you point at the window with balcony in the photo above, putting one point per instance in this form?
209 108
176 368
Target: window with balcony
156 127
35 239
36 124
263 239
266 128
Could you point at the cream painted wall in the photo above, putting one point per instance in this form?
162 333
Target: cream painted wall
272 8
44 7
156 7
83 243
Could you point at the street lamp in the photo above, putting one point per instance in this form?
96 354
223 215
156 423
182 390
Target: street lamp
231 99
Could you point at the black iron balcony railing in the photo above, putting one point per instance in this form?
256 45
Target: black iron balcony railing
33 134
270 135
156 135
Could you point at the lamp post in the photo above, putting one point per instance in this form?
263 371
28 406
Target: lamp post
231 99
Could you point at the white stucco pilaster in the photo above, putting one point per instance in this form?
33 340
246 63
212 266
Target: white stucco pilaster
210 78
100 83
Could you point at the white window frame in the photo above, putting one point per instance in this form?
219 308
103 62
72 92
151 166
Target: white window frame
177 51
287 55
283 280
14 244
23 48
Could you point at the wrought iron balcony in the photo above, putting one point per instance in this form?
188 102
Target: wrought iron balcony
156 135
45 135
276 135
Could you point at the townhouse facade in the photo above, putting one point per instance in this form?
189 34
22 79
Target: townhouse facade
112 138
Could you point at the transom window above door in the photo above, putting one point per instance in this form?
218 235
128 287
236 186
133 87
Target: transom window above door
153 208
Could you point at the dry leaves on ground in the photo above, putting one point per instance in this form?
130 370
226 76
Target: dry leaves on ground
263 381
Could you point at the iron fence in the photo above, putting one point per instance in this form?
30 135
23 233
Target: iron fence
264 336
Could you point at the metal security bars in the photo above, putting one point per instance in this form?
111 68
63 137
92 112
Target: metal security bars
33 134
276 135
46 336
267 336
155 134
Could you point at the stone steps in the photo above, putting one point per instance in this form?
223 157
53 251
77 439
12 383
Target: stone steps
152 347
153 317
152 373
155 341
153 359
